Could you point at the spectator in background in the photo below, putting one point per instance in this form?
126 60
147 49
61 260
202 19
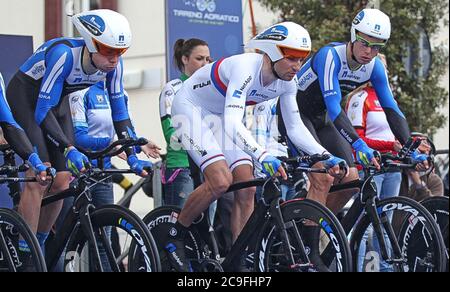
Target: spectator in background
189 56
370 122
422 185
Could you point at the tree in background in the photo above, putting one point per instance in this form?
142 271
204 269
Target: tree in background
420 98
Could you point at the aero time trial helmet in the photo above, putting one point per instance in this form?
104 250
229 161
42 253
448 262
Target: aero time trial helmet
104 31
371 22
283 40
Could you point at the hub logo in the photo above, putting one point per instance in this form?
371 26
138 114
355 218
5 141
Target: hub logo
377 28
121 38
276 33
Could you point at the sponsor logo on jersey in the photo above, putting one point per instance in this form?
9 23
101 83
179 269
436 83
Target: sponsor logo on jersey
355 104
100 98
237 94
235 106
201 85
255 93
246 83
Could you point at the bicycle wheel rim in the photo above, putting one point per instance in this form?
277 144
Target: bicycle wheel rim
417 254
12 227
158 222
133 231
302 211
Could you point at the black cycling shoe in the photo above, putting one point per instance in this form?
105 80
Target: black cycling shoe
177 257
174 248
310 236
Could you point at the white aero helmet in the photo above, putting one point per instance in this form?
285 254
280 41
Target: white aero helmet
104 31
373 23
282 40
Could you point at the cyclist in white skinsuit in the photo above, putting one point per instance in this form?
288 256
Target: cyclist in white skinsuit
207 115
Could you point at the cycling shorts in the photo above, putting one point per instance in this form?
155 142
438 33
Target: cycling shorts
202 135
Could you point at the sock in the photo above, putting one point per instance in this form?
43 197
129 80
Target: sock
42 237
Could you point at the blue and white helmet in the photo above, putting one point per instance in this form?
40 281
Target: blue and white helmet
371 22
103 30
282 40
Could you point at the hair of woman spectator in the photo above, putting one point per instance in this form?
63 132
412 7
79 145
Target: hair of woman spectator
185 48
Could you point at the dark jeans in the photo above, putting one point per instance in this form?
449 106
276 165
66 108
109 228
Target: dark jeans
177 192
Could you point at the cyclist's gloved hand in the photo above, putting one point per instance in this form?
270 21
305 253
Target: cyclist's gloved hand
36 163
364 154
76 161
139 166
271 165
334 161
418 157
39 168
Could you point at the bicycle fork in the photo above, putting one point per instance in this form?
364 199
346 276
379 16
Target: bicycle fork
380 223
286 243
88 230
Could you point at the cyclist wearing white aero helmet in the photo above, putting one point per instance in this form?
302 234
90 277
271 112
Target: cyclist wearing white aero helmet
59 67
207 115
336 70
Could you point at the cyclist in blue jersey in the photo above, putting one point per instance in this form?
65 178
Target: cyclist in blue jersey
59 67
17 138
336 70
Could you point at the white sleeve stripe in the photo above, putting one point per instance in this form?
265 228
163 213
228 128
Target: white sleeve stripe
116 79
325 77
329 68
54 74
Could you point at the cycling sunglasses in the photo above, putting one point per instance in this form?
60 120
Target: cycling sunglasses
108 51
293 53
373 45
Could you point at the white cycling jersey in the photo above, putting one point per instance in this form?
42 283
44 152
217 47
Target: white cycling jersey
208 110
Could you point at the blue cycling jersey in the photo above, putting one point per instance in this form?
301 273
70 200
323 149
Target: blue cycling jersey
326 77
13 133
91 116
57 67
56 70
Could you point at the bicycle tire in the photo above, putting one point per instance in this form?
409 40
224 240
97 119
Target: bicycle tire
12 226
439 209
299 211
124 220
411 213
158 222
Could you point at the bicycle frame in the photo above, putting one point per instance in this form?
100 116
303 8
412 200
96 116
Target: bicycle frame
269 206
78 217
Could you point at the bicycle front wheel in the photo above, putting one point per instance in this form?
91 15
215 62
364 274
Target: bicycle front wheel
12 229
411 240
132 231
438 208
298 215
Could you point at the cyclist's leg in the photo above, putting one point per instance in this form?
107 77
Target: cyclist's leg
320 183
333 141
20 101
243 200
50 213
